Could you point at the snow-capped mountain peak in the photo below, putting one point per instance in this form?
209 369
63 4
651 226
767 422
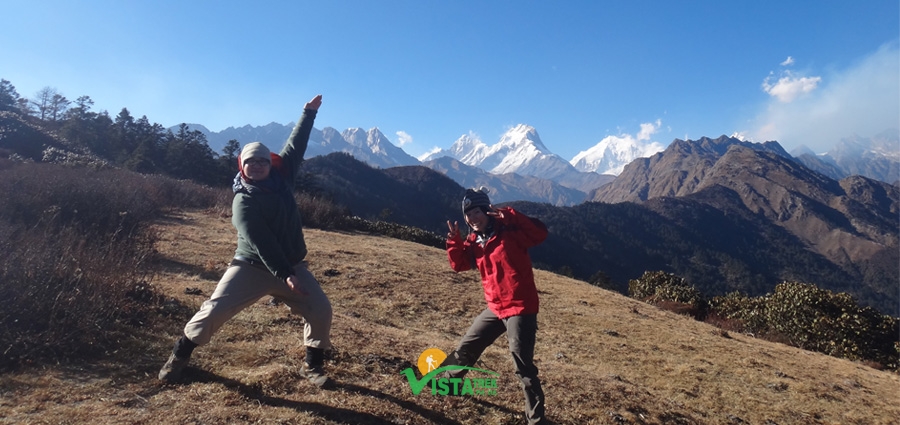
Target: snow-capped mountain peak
377 142
355 136
613 152
373 147
520 151
520 145
469 150
521 135
373 140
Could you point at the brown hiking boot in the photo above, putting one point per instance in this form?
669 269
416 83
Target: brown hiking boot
171 371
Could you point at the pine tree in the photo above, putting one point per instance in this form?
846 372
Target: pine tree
8 96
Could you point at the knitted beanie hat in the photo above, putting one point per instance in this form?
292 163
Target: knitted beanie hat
255 150
476 198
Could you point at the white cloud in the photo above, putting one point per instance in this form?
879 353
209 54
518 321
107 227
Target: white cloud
648 129
788 87
788 61
862 99
403 138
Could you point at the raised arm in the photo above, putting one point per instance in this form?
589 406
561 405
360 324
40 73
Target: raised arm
457 250
529 230
295 148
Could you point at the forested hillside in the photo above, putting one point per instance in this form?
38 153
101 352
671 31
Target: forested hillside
52 128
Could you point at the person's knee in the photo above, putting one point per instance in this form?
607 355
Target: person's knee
319 317
322 312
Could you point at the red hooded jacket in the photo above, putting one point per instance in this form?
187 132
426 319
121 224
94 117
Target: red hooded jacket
506 272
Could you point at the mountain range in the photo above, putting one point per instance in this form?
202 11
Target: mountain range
847 221
520 166
877 157
725 214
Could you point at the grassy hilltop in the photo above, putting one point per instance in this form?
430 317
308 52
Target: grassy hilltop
102 268
604 358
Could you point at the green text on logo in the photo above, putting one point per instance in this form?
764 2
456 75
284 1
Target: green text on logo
452 386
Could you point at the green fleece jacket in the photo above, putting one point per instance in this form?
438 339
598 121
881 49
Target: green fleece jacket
265 214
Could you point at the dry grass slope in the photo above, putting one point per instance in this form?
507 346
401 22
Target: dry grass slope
604 358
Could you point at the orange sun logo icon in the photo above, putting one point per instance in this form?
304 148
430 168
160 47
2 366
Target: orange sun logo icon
430 359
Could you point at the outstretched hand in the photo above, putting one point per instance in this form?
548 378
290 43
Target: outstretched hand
315 103
454 229
495 213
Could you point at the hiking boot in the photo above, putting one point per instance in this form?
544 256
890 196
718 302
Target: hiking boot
313 368
171 371
315 375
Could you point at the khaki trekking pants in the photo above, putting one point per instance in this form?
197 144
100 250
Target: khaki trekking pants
243 284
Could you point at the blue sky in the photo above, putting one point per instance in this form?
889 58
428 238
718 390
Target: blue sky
427 72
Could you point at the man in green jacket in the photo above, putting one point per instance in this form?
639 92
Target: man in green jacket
269 259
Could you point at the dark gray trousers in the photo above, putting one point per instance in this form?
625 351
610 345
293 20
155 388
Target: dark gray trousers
520 332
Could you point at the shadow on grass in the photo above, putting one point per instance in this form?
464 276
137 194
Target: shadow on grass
495 406
331 413
434 417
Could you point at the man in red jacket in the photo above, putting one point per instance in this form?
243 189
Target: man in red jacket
498 248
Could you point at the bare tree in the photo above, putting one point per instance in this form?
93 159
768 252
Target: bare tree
42 100
50 104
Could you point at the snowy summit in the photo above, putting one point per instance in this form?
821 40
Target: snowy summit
614 152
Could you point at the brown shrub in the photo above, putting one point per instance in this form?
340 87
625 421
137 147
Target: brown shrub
725 323
75 272
320 212
681 308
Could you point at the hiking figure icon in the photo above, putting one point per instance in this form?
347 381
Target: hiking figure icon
430 360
